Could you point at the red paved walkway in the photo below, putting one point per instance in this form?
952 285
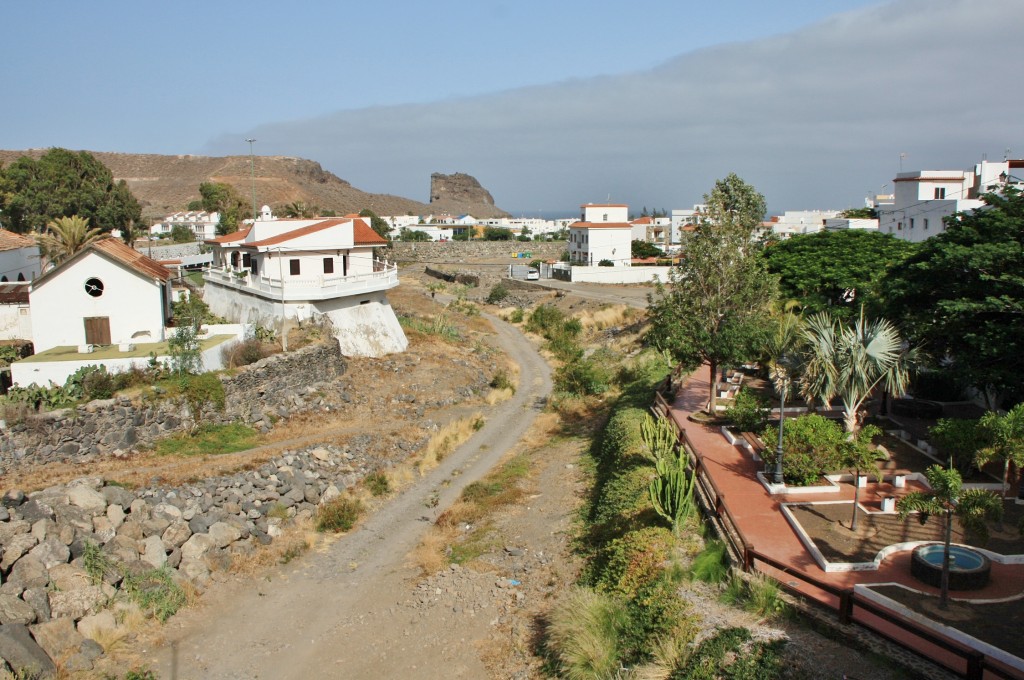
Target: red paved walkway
759 519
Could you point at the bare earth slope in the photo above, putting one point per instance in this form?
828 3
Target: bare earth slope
165 184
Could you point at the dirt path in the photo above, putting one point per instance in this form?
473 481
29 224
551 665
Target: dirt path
342 612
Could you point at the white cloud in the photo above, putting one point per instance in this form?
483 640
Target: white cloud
816 118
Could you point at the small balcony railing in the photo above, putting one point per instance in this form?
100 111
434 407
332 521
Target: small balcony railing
296 288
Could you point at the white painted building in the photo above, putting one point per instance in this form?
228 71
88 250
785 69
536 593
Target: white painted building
19 257
301 269
106 294
603 233
202 224
685 220
795 222
840 223
924 198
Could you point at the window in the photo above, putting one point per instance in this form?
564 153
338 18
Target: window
911 222
604 217
899 226
940 192
94 287
925 225
246 260
293 267
328 265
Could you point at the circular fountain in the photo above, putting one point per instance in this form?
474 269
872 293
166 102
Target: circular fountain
968 569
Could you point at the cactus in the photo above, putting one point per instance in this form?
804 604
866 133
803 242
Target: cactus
660 438
672 491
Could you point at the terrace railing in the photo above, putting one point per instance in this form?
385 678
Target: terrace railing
298 288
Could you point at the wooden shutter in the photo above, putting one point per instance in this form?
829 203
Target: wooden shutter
97 330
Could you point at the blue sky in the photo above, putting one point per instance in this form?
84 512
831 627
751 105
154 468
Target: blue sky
549 104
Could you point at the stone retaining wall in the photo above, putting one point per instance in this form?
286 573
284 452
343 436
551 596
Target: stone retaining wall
272 388
471 251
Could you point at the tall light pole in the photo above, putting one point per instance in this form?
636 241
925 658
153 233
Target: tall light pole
252 176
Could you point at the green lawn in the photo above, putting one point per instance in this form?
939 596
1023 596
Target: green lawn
209 440
160 349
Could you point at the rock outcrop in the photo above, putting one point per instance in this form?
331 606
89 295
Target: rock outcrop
461 193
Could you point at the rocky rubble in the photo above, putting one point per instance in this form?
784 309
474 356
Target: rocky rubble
54 604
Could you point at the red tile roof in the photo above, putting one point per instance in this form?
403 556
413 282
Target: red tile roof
11 241
364 236
232 237
289 235
128 256
604 205
643 220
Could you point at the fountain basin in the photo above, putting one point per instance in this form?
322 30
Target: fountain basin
968 569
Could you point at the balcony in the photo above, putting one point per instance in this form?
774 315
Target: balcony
302 288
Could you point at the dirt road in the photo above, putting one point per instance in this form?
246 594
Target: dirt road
338 613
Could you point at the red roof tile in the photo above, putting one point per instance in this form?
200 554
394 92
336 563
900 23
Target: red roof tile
364 236
295 233
600 225
232 237
11 241
132 258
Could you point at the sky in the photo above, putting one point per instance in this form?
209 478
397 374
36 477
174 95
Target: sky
548 104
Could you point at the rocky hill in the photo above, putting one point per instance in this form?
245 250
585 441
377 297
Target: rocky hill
165 184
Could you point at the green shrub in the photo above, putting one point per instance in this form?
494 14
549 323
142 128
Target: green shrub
244 352
624 494
544 318
337 515
585 634
710 565
622 438
155 592
498 293
748 412
605 263
95 562
202 389
583 377
501 381
378 484
811 446
517 315
731 653
634 561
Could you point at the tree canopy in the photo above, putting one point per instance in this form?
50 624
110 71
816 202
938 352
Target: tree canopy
64 183
222 198
962 295
377 223
643 249
836 271
715 306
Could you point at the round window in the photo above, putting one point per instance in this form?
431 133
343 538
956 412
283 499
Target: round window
94 287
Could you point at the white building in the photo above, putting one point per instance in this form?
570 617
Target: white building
795 222
924 198
840 223
603 233
202 224
106 294
301 269
685 220
19 257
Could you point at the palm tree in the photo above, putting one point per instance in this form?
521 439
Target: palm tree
973 507
65 236
849 362
1006 434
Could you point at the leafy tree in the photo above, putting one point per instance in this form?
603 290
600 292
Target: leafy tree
1006 436
643 249
407 234
835 270
377 223
812 445
222 198
182 233
973 507
959 439
498 234
64 237
63 183
962 294
851 361
860 214
714 308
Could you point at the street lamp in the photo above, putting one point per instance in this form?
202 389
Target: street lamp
252 176
781 380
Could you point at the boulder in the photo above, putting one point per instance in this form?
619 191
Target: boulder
29 572
75 604
93 626
116 515
224 534
32 511
51 552
69 577
87 499
22 653
154 552
16 610
9 530
197 546
39 600
122 548
58 637
176 534
116 495
15 548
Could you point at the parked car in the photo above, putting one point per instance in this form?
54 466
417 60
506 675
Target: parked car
533 275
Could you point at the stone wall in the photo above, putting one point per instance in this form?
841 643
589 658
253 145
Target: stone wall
271 388
473 251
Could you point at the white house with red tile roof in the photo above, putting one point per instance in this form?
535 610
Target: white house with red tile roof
19 257
603 233
106 294
301 269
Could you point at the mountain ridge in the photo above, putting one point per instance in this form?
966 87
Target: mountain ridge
167 183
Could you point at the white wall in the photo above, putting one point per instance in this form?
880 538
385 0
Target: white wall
15 322
17 262
599 212
619 274
60 304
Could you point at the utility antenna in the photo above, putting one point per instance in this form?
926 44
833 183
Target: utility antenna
902 156
1006 156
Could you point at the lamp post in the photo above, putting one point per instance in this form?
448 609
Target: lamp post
778 448
252 176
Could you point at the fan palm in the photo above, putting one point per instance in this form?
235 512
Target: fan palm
849 362
973 507
65 236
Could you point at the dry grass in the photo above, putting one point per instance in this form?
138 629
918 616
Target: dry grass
297 539
606 317
446 440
